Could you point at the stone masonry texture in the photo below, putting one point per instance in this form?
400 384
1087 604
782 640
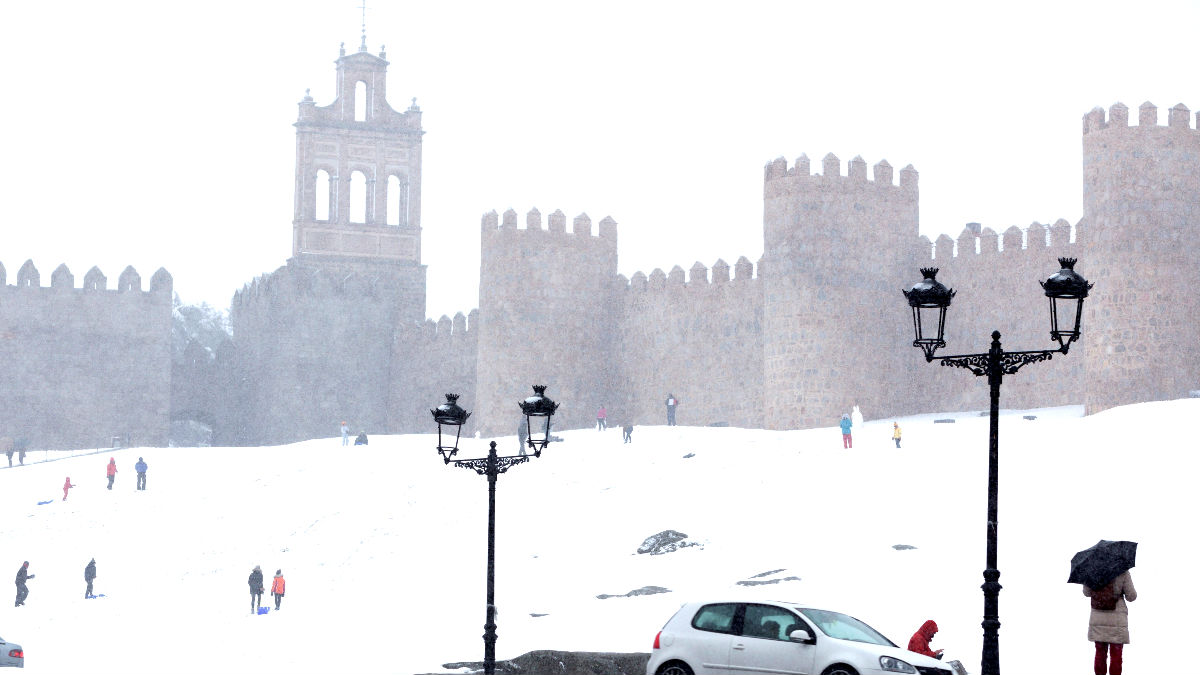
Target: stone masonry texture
815 327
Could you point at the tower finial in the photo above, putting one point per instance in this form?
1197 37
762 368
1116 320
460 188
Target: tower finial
363 46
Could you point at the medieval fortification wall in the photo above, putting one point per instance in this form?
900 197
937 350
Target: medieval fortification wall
817 326
84 365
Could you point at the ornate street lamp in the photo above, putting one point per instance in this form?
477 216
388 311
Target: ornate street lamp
1067 291
449 414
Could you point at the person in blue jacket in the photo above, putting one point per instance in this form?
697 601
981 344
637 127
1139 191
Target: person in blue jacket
847 442
140 467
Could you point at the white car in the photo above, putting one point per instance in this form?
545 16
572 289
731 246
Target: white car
706 638
11 655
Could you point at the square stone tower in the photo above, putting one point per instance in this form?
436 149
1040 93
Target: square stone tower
314 338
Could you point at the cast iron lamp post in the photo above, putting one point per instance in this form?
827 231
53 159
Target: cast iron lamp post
929 300
449 414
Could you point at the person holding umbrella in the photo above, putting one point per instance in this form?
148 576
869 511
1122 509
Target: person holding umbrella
1103 570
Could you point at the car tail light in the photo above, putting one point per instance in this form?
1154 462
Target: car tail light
656 636
16 653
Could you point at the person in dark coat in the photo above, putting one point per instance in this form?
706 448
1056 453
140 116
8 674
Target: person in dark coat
89 575
22 590
920 640
7 444
361 439
672 402
627 432
140 468
22 445
256 588
112 471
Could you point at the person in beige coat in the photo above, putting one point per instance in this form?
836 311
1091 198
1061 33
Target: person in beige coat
1109 629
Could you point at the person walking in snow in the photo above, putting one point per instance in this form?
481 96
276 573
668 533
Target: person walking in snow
22 590
67 486
140 468
896 433
345 433
7 444
22 444
601 418
672 402
89 575
627 432
112 471
847 442
277 588
920 640
1108 625
256 588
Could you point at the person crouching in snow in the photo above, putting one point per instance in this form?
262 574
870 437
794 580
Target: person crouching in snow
920 640
67 486
277 588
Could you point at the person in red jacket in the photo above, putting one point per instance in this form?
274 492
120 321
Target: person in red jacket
112 471
277 587
920 640
67 486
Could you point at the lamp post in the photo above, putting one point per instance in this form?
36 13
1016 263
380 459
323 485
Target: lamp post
929 300
449 414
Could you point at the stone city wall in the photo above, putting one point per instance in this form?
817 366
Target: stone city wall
84 365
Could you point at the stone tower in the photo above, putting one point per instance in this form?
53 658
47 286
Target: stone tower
315 337
547 315
834 248
1141 231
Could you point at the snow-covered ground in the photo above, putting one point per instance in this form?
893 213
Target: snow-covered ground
384 547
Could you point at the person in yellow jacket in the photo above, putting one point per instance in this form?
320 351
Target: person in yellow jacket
896 433
277 587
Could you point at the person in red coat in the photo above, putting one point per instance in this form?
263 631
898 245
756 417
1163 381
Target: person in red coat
278 585
920 640
112 471
67 486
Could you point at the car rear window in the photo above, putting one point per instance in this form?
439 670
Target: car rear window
715 618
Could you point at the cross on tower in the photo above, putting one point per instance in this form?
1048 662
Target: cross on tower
363 7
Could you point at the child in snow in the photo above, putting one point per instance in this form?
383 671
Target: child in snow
896 433
67 486
277 587
847 442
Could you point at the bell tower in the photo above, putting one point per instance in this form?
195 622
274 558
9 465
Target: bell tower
358 179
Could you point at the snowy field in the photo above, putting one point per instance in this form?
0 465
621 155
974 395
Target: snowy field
384 547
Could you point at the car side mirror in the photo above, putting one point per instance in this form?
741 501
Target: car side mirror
801 635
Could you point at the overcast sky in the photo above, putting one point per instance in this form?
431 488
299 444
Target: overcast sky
159 134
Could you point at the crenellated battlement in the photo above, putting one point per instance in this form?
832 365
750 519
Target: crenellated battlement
28 277
1178 117
445 329
557 223
1036 239
777 172
696 278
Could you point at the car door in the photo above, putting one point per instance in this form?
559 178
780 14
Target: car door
762 644
707 645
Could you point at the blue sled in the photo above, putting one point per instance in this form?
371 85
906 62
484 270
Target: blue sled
98 595
263 610
48 501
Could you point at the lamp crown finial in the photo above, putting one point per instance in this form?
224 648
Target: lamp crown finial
929 272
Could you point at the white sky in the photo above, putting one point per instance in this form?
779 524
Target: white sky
384 547
159 134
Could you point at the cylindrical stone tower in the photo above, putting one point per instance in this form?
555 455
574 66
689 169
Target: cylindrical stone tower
1141 231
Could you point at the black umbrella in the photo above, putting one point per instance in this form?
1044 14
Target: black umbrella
1096 566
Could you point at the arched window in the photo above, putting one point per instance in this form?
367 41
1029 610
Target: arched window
358 197
323 196
397 201
360 101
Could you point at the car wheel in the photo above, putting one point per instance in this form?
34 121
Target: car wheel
839 669
674 668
